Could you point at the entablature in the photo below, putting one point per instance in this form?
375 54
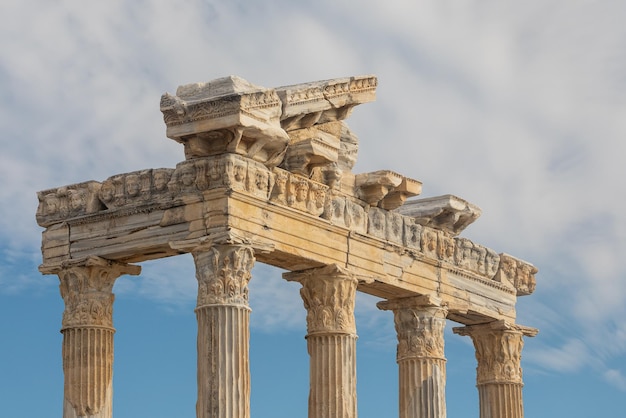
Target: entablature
295 191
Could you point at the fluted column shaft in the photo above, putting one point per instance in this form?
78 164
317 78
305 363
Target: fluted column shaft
86 287
420 323
498 348
328 294
223 315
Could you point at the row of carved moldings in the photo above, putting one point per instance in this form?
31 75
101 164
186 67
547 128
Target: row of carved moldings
460 252
164 187
298 192
177 111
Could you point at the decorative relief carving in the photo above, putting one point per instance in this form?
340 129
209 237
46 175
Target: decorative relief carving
304 105
412 234
499 356
136 188
328 294
356 216
87 290
223 273
419 334
517 273
419 323
498 350
344 211
57 205
394 228
475 257
297 192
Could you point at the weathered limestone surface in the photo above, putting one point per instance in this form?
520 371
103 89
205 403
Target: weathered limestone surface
499 373
420 322
223 314
86 288
267 176
329 295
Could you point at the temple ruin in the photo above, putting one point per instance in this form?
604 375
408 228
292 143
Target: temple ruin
267 177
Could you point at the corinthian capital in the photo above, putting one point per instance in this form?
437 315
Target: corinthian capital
419 323
498 350
223 273
328 294
87 289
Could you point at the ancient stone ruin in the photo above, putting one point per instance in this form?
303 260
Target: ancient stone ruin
267 177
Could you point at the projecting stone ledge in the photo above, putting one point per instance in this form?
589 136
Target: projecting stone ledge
448 213
233 115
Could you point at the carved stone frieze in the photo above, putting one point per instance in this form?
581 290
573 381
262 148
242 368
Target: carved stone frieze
517 273
223 273
307 104
298 192
412 237
56 205
448 213
328 294
345 211
475 257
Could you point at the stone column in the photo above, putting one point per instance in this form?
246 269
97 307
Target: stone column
499 374
328 294
86 287
223 313
419 323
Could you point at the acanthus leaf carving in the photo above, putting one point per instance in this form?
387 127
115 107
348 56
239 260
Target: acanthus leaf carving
87 290
419 323
328 294
223 273
498 348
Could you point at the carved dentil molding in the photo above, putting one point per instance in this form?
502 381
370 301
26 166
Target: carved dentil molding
223 273
329 295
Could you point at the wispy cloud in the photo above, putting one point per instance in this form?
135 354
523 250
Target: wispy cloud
518 107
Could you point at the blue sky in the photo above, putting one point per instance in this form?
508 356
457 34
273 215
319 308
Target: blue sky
518 107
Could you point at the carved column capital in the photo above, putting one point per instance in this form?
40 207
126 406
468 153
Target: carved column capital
498 347
419 323
328 293
87 289
223 273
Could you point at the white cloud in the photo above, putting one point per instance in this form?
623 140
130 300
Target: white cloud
517 107
616 378
572 356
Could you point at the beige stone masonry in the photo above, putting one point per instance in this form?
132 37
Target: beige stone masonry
499 373
267 176
329 295
420 322
87 290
